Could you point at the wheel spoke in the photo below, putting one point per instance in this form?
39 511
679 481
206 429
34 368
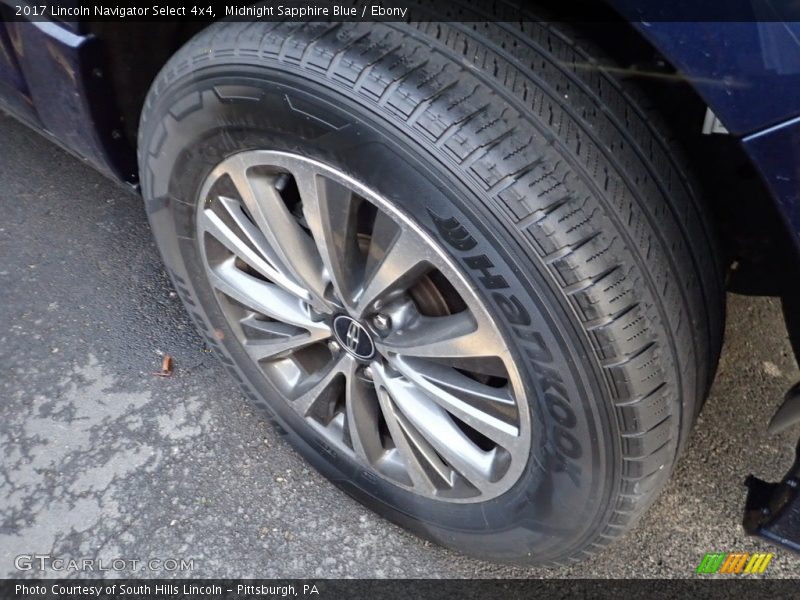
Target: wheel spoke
438 429
414 449
396 259
262 259
266 298
488 410
283 338
330 210
293 247
362 415
451 336
310 390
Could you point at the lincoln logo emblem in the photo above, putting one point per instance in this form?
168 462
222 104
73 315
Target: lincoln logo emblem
353 333
353 337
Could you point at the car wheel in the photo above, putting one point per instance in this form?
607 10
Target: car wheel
470 283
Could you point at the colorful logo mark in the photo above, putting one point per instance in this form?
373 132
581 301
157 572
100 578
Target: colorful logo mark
735 563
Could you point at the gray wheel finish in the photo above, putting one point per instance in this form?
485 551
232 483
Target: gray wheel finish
364 325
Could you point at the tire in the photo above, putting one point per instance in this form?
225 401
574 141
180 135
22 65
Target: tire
553 195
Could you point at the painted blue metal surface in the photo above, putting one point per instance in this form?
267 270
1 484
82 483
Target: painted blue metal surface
10 74
776 154
60 72
14 93
748 73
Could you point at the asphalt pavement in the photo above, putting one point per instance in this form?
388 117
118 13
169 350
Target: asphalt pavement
102 459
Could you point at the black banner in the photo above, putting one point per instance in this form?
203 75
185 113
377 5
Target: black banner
399 589
402 10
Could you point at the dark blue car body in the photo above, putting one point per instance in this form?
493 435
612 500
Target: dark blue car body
55 75
749 75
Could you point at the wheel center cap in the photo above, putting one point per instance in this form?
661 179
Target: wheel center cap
353 337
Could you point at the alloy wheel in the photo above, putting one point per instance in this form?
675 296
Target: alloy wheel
365 326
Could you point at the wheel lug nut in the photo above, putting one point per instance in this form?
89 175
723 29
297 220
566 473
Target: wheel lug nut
381 322
315 314
368 372
334 346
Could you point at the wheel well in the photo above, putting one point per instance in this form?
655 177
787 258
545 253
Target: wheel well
755 240
134 53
